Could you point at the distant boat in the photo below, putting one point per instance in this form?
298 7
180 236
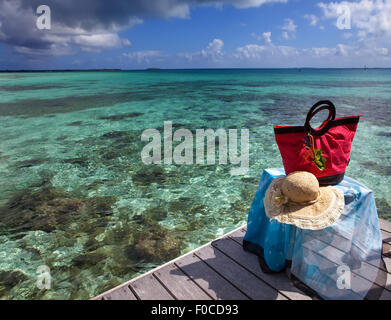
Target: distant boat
365 67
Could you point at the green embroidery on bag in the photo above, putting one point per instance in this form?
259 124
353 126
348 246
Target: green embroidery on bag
312 154
320 161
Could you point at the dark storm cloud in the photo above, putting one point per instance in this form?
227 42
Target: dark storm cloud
93 14
89 14
85 23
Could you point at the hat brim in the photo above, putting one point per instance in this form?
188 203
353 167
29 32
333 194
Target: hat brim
316 216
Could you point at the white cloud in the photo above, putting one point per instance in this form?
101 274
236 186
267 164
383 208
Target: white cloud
285 35
126 42
289 26
268 55
268 52
265 37
370 29
214 48
97 42
256 36
320 52
341 55
289 29
312 18
287 51
251 52
371 18
251 3
347 35
212 53
145 56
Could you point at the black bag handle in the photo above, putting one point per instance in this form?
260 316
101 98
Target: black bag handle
317 107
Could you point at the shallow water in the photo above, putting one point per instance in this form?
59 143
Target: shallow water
75 195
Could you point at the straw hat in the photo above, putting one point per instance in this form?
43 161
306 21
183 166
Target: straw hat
297 199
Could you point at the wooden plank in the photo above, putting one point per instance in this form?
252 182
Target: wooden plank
386 236
386 251
210 281
387 262
179 284
238 276
385 225
238 235
386 295
122 293
148 288
279 281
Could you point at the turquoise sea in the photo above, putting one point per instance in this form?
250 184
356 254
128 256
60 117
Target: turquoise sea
76 197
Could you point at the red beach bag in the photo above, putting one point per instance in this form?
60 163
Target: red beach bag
325 151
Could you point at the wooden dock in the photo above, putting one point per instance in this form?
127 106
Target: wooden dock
222 270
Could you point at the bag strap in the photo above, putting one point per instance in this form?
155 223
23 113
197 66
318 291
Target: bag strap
317 107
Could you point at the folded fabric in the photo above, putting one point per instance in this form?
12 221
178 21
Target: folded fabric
339 262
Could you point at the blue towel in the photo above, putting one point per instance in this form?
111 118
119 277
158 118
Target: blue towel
339 262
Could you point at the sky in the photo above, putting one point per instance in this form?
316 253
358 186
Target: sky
139 34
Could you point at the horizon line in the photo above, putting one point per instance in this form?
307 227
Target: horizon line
173 69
